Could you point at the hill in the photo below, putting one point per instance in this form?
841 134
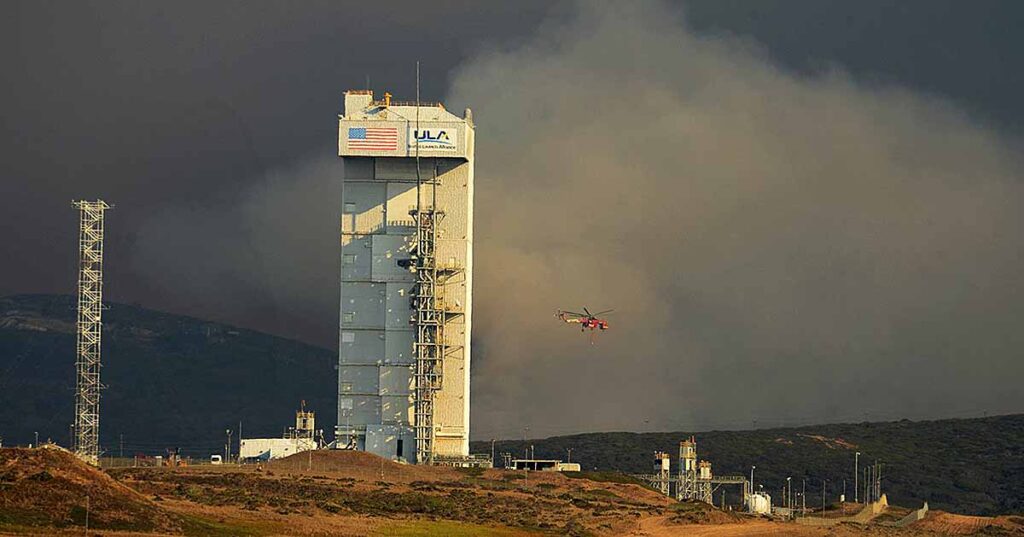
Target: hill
171 381
346 494
968 466
48 488
175 381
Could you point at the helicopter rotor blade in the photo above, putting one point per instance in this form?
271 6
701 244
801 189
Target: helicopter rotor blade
603 312
588 312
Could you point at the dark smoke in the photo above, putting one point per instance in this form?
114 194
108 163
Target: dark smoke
778 248
780 244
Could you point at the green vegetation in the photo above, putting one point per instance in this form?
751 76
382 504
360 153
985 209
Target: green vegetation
193 526
472 472
171 381
606 477
970 466
175 381
442 528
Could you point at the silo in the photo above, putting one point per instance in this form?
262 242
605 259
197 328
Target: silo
406 278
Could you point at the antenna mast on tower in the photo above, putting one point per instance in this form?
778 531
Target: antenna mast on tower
90 311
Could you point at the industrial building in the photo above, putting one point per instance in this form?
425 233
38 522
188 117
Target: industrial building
302 437
406 279
695 481
543 465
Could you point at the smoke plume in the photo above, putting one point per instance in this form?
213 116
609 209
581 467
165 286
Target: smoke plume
778 248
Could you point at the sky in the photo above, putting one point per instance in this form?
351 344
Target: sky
801 211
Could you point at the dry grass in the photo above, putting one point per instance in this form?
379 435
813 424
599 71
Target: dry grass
48 487
344 495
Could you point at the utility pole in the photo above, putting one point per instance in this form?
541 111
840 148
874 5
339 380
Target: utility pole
492 452
856 472
37 440
569 459
121 452
844 496
789 492
803 498
867 484
823 483
228 447
878 479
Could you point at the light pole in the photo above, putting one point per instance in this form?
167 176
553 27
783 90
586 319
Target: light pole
227 459
750 498
569 452
789 492
823 483
492 453
37 440
856 470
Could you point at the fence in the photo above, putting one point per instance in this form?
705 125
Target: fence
914 516
865 515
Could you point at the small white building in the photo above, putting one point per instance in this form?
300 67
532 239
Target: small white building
262 449
544 465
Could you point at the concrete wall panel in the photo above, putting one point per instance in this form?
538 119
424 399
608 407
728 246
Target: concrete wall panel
361 346
362 304
387 251
362 207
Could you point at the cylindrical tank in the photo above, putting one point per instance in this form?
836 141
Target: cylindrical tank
760 503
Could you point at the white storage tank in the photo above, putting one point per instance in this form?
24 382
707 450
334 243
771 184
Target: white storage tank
760 503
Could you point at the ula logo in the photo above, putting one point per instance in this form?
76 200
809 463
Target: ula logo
437 137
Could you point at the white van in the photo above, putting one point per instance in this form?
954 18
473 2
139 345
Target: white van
216 459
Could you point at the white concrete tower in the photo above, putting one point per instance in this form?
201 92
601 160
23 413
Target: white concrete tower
406 279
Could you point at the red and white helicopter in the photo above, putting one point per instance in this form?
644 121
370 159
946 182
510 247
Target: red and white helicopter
585 320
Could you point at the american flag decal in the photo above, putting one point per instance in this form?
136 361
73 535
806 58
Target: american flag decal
373 138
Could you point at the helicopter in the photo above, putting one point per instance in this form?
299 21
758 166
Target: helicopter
585 320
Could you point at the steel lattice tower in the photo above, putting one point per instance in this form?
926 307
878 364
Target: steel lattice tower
90 326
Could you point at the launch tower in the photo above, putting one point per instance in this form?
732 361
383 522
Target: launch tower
406 279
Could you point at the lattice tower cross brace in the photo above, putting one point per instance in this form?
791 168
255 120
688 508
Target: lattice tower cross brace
90 326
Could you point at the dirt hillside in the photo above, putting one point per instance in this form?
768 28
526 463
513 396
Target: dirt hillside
950 524
49 487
